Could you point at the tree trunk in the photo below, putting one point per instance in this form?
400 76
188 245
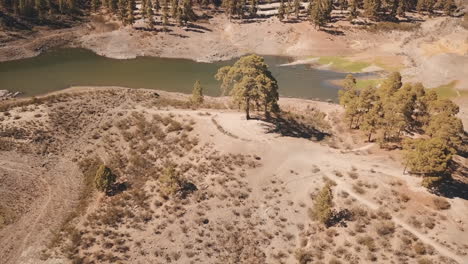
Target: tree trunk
404 170
247 108
369 138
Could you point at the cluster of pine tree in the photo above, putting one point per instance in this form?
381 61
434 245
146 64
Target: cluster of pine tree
407 116
320 10
181 11
40 9
240 8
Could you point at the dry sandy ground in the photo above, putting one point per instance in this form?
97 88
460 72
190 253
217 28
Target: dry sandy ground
254 210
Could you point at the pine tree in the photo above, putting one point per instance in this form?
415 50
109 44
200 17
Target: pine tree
165 10
95 5
425 5
157 6
40 7
401 8
449 7
150 15
281 11
122 6
320 12
353 11
390 85
343 5
322 210
426 156
253 8
372 8
349 99
144 9
188 13
180 17
130 8
297 7
370 121
104 179
174 8
250 82
448 128
439 106
366 101
197 93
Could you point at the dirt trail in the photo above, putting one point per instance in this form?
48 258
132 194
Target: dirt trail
57 181
278 157
38 214
374 206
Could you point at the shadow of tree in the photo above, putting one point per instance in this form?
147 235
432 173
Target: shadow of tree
290 127
117 188
456 184
199 27
340 218
333 32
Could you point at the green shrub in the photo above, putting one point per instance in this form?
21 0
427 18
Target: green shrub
104 179
323 206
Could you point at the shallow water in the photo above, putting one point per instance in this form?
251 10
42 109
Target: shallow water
63 68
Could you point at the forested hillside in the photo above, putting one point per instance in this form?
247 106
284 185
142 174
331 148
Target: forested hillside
178 12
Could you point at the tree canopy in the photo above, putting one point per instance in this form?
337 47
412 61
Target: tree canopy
250 83
322 210
104 179
197 93
396 111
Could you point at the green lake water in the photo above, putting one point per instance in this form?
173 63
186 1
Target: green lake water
63 68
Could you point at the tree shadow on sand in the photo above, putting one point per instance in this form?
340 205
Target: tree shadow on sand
290 127
456 184
117 188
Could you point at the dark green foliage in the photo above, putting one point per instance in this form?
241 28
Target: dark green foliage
104 179
395 110
197 93
320 12
427 156
173 182
323 205
281 11
250 83
372 8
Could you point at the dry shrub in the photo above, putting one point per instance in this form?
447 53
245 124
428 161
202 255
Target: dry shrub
419 248
390 26
424 261
303 256
441 203
367 241
358 189
385 228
